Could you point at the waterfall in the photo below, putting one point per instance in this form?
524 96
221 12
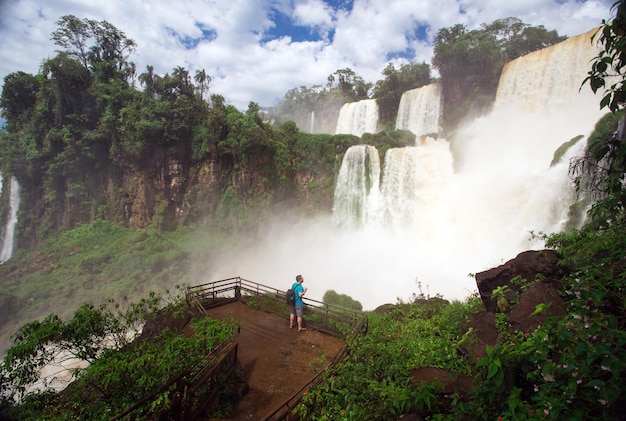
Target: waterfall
312 129
420 110
413 181
9 231
438 224
443 209
357 189
550 77
358 117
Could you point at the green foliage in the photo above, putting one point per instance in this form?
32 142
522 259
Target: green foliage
341 300
388 91
599 172
373 382
608 66
120 372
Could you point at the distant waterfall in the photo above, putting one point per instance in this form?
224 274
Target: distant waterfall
9 231
420 110
357 118
357 189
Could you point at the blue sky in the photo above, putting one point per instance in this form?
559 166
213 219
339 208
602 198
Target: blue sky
256 50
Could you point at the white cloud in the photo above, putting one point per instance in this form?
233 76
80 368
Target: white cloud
242 68
313 13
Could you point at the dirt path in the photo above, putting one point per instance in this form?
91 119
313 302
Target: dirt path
277 361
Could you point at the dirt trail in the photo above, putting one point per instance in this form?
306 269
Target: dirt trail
277 361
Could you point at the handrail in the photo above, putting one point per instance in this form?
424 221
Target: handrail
240 286
209 362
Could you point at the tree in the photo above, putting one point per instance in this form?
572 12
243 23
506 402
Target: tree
388 91
470 63
203 80
19 95
147 79
98 46
351 85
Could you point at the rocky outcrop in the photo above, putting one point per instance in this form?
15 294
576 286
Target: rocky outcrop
532 280
526 316
527 267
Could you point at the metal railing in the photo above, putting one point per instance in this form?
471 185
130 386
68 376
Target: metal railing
212 372
325 317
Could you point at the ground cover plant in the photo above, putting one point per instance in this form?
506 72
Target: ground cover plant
150 348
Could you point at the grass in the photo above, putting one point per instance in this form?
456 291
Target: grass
98 261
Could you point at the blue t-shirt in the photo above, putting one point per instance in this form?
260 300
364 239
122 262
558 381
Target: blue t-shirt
297 289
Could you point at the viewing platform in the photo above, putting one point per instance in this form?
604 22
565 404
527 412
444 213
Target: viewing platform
278 363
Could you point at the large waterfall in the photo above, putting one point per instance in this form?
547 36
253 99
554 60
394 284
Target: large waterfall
447 223
420 110
6 252
443 210
358 117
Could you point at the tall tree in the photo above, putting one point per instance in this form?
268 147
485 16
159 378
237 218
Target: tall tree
147 79
203 80
99 46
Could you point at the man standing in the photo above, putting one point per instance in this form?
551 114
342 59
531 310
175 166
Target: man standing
298 307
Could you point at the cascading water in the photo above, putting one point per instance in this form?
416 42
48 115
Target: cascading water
9 231
414 181
357 189
442 211
449 223
420 110
357 118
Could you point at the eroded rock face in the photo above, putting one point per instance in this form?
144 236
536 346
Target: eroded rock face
528 265
541 293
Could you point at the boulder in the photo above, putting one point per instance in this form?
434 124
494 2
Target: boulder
528 265
540 293
483 332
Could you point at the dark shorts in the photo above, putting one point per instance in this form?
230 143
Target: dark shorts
297 311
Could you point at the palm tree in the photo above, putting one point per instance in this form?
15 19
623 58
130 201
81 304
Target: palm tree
182 75
203 80
147 79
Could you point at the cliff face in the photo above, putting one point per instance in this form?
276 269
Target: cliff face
169 190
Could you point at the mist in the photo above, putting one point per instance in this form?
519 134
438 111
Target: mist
443 210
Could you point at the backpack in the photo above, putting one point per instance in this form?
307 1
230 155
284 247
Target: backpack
291 296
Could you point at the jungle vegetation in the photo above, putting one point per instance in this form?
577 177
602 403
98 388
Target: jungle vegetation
82 113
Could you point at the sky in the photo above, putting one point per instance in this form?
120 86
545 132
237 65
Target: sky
257 50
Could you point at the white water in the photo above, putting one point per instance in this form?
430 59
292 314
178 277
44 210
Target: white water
6 252
420 110
439 216
357 118
357 189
